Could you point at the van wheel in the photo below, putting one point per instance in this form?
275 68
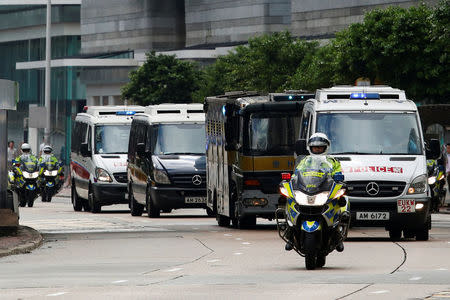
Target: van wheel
395 234
94 205
423 233
152 210
76 201
136 208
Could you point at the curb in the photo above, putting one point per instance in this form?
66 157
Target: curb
24 241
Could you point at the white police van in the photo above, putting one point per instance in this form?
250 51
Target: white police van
99 150
376 134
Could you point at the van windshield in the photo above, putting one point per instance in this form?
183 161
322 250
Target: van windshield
111 139
272 133
371 133
173 139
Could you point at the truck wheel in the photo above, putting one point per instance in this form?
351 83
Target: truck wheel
152 210
135 208
395 234
222 221
210 212
76 201
245 222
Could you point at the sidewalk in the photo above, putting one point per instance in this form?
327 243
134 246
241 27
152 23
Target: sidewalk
23 241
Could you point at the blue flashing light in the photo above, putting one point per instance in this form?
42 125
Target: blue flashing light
364 96
125 113
224 110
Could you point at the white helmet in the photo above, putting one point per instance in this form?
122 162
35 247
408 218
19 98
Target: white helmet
320 140
47 148
25 147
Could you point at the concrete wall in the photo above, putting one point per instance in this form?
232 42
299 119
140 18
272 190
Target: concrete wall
116 25
230 21
316 19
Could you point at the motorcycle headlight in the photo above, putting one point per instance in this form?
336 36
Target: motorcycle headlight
418 185
26 175
102 175
160 176
30 175
51 173
431 180
35 175
316 200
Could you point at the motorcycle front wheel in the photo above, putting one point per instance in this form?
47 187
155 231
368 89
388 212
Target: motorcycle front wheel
310 251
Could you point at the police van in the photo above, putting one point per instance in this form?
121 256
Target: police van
166 159
99 156
376 134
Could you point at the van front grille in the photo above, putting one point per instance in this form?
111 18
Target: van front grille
121 177
187 180
375 189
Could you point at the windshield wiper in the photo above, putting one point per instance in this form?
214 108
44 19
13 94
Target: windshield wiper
183 153
343 153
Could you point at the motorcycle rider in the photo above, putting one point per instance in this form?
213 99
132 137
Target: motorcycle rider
46 156
318 145
25 156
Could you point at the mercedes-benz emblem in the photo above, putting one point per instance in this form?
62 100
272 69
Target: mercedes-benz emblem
372 188
197 180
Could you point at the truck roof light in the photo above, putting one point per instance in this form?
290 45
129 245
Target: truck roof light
364 96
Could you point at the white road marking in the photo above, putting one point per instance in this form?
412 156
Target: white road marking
195 228
415 278
174 270
238 239
380 292
237 253
119 281
442 269
227 234
56 294
213 260
246 243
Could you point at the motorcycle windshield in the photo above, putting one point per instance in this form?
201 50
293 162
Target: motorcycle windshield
313 175
28 164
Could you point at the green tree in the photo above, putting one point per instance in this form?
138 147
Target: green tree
405 48
265 64
162 78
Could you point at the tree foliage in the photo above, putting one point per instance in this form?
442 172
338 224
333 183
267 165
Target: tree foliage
162 78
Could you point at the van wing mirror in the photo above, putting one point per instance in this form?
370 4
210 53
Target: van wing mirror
140 148
433 149
84 149
300 147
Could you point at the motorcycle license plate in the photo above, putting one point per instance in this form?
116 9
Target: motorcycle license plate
195 200
372 215
406 206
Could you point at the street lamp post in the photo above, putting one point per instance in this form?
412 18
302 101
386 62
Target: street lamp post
48 49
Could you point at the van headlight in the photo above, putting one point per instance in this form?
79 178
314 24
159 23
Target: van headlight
102 175
161 176
418 185
316 200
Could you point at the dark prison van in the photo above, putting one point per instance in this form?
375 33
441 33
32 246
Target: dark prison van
166 159
250 143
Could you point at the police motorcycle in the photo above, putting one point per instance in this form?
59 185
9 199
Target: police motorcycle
23 180
316 216
51 177
436 181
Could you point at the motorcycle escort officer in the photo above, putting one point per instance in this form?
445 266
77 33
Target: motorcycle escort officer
25 156
46 156
318 145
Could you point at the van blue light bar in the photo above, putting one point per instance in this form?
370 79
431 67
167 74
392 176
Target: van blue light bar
364 96
125 113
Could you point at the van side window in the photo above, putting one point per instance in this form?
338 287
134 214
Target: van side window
75 146
83 133
89 137
132 142
305 123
